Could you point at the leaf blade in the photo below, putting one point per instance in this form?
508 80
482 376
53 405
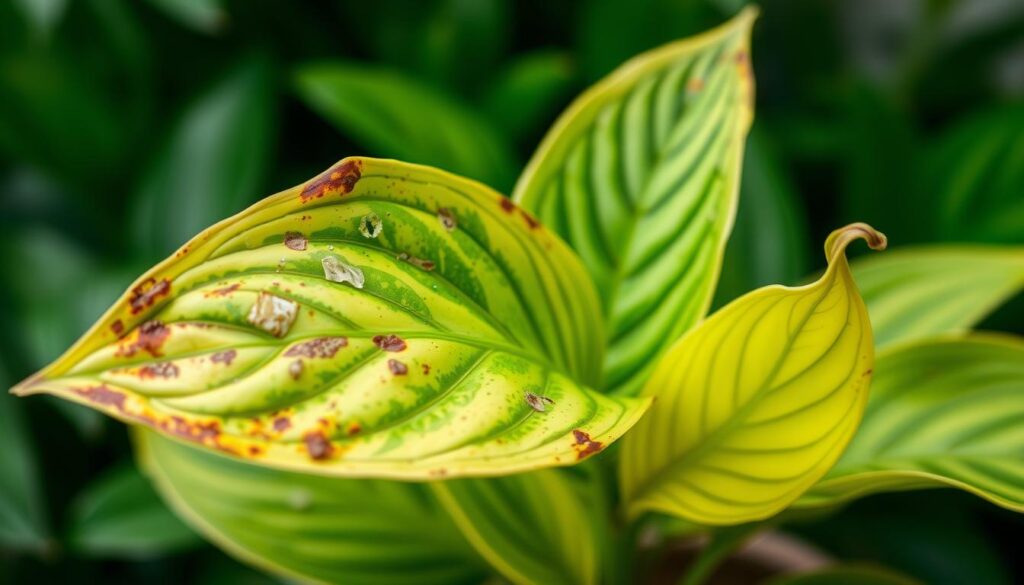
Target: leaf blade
757 403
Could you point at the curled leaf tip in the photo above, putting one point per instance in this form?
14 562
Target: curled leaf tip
841 238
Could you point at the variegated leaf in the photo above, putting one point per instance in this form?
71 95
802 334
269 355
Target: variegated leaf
640 177
383 319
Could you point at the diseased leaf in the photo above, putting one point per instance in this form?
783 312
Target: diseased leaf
413 361
312 528
943 412
640 177
915 293
541 527
396 116
756 403
121 516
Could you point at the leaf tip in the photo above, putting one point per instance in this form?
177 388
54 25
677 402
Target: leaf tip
841 238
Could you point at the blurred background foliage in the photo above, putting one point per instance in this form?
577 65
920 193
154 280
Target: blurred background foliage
128 126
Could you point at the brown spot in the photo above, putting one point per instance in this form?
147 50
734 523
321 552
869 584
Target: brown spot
397 368
427 265
354 429
295 241
426 369
318 446
321 347
200 432
440 472
224 357
158 370
103 396
694 85
584 445
867 372
447 218
506 205
144 295
389 342
117 327
150 337
741 57
340 178
282 424
295 369
531 222
223 291
255 450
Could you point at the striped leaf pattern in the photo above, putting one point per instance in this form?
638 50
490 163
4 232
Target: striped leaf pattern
918 292
308 528
943 412
756 403
640 177
383 319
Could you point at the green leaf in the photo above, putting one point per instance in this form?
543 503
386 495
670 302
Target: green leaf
756 403
846 575
918 292
301 526
640 177
383 319
542 527
527 93
120 515
214 160
23 522
944 412
43 15
971 178
399 117
206 16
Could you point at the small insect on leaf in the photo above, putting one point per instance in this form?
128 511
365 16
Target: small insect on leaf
538 403
278 355
337 270
447 219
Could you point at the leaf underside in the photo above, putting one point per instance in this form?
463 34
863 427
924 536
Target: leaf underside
383 319
640 177
756 403
943 412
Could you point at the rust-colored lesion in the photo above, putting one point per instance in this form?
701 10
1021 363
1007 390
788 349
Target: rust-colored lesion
584 445
149 337
389 342
224 357
318 445
341 178
321 347
531 221
222 291
165 370
397 368
117 327
282 424
506 204
295 241
146 293
102 395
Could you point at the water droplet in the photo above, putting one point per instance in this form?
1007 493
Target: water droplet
337 270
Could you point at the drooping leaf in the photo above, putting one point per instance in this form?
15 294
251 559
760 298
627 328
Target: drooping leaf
312 528
396 116
295 335
120 515
846 575
943 412
757 403
541 527
640 177
214 161
915 293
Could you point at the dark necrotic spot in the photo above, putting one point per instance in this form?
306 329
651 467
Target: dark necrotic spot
145 294
158 370
295 241
389 342
103 396
340 178
318 446
151 336
397 368
224 357
321 347
584 445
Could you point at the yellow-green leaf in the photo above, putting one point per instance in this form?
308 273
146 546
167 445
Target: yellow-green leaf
541 527
311 528
914 293
383 319
757 403
943 412
640 177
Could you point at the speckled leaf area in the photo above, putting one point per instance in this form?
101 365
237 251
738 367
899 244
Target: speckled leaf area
383 320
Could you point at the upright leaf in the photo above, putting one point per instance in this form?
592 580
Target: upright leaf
396 116
915 293
756 403
383 319
311 528
943 412
640 176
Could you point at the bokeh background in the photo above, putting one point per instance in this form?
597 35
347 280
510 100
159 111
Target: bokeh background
126 126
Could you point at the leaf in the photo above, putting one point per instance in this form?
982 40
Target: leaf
244 343
43 15
541 527
399 117
526 93
640 177
120 515
23 521
756 403
206 16
944 412
919 292
216 157
846 575
312 528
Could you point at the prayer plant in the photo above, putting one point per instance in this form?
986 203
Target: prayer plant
391 374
